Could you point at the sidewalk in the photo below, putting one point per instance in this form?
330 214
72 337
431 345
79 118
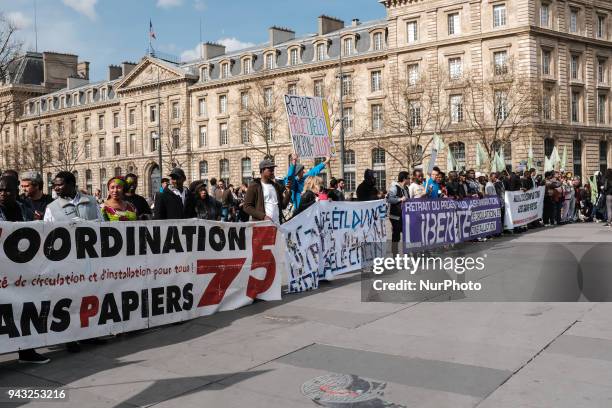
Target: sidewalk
437 354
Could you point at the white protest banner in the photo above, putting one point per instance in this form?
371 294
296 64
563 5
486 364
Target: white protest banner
523 207
63 282
309 126
332 238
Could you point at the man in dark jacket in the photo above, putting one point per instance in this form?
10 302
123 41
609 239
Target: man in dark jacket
265 198
143 211
367 191
32 186
171 203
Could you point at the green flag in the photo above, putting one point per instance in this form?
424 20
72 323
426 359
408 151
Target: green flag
530 156
481 157
451 163
564 158
548 165
554 158
593 184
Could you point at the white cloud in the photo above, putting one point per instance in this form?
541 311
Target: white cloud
190 55
234 44
199 5
86 7
20 20
169 3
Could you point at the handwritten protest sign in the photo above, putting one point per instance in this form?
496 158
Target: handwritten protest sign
309 126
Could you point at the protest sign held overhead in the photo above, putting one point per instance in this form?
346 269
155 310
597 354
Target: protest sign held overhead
309 126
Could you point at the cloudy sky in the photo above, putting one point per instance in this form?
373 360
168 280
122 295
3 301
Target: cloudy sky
111 31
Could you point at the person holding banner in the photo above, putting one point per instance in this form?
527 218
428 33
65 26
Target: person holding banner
297 176
171 203
416 188
398 194
70 203
143 211
367 191
265 199
115 208
432 186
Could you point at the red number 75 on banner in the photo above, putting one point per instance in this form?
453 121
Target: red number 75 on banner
226 270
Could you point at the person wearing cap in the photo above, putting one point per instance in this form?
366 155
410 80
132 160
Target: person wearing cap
367 191
266 199
297 175
171 203
32 187
71 204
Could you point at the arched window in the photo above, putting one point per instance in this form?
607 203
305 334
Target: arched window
88 182
349 170
203 171
247 170
224 171
379 166
458 151
577 158
549 145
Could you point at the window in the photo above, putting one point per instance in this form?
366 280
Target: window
347 118
176 111
545 62
455 68
269 61
500 60
118 171
244 100
574 66
223 136
413 74
323 174
546 105
456 108
117 146
72 126
379 168
549 145
378 41
575 106
103 94
132 143
321 52
246 66
499 15
88 182
153 113
413 32
47 130
203 168
601 26
103 181
74 150
224 171
603 156
225 70
269 129
153 141
204 74
60 152
544 15
247 170
377 117
577 157
100 122
86 124
115 120
131 117
349 170
501 105
347 46
602 101
454 25
293 56
176 138
415 114
101 147
573 21
222 104
202 111
601 71
245 131
60 129
292 89
458 151
268 97
347 85
318 88
87 149
376 81
202 136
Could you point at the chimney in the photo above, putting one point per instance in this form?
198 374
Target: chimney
83 70
356 22
114 72
211 50
126 68
280 35
328 24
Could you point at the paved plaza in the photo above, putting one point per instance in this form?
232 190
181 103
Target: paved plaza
328 346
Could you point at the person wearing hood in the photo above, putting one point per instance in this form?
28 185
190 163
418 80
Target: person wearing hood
297 176
398 193
367 191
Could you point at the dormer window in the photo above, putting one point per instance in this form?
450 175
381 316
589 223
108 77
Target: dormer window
204 74
321 51
75 99
103 94
294 57
269 60
247 63
225 70
377 41
348 46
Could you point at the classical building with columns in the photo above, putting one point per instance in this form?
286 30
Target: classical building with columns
208 109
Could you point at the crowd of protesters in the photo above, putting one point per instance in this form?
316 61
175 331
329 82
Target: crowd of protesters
274 198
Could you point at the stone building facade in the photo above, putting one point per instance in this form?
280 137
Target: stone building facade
207 109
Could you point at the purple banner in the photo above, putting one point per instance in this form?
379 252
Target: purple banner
429 223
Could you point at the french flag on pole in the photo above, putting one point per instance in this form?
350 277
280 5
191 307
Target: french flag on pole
151 32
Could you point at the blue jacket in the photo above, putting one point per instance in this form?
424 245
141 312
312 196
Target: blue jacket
432 188
298 184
